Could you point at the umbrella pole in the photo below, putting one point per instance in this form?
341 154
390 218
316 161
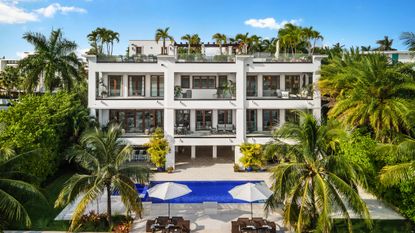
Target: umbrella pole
251 211
169 209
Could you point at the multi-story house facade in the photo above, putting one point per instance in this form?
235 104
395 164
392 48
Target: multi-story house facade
217 101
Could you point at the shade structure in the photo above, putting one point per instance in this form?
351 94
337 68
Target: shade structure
168 190
251 192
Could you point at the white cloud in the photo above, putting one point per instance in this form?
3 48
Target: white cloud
54 8
11 13
270 23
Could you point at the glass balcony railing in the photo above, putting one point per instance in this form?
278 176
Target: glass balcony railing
200 58
282 58
125 59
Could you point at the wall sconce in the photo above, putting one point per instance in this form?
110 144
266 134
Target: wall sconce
163 65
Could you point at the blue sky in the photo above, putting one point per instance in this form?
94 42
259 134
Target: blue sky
351 22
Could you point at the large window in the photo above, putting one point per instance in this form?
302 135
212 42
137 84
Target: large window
138 121
251 120
136 85
292 83
203 119
204 82
251 86
270 119
185 81
225 117
115 85
183 118
270 85
157 86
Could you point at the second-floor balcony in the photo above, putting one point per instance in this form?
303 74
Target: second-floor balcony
201 58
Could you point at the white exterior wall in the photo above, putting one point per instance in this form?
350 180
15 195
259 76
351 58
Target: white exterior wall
149 47
172 71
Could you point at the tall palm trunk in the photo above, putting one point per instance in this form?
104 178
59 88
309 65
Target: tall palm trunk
188 49
164 47
109 217
220 48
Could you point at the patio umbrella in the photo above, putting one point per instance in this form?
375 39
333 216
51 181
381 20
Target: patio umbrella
168 190
251 192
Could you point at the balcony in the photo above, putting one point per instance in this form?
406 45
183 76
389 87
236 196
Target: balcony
282 58
200 58
220 131
125 59
304 94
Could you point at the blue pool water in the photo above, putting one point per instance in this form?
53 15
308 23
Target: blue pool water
202 191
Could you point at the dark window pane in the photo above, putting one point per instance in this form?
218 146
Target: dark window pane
185 82
115 85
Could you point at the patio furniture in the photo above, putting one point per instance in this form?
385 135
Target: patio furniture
166 224
221 128
229 128
285 94
189 94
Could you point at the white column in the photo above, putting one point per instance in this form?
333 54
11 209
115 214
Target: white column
192 120
104 116
215 152
259 120
147 85
193 152
238 155
214 118
241 62
282 117
167 62
316 103
260 85
125 85
282 82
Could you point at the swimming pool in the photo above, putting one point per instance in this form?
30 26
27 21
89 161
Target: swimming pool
202 191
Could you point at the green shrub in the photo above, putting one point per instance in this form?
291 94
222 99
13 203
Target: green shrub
252 155
47 123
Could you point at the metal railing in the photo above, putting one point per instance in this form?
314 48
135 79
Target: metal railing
200 58
125 59
282 58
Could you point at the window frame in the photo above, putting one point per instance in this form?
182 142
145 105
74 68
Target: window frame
202 77
109 85
143 81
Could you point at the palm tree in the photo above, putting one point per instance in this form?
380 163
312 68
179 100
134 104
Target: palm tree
94 40
408 40
191 40
369 91
112 36
291 36
244 42
14 188
219 39
268 45
318 182
385 44
365 48
103 155
163 34
10 78
394 174
54 60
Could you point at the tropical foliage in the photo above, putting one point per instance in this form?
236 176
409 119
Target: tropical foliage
252 155
54 60
158 148
367 90
192 40
319 182
220 39
49 122
408 40
10 79
163 34
15 190
102 154
385 44
101 38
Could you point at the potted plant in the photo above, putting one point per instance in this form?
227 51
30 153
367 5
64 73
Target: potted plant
252 156
177 91
158 148
170 169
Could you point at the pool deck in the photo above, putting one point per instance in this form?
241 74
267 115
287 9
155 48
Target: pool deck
215 220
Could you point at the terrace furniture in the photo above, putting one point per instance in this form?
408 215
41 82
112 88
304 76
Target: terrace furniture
253 225
221 128
279 93
166 224
229 128
189 94
285 94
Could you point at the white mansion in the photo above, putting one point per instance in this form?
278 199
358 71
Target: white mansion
213 99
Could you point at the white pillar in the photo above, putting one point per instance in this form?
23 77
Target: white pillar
282 82
282 117
214 118
124 86
104 116
193 152
147 84
259 120
241 62
316 103
260 85
238 155
215 152
192 120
